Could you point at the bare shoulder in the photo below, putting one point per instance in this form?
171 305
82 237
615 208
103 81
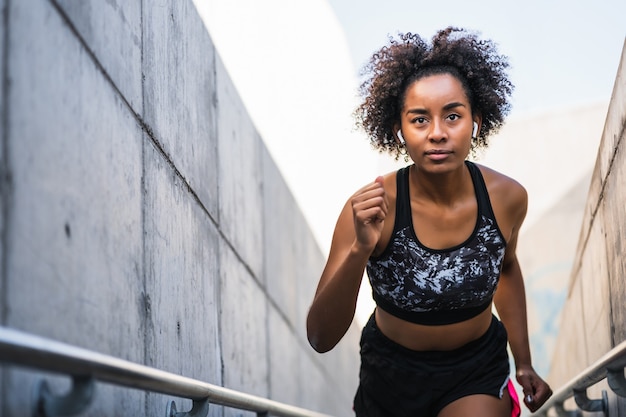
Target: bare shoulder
508 197
502 185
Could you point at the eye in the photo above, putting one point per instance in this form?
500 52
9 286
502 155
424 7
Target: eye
419 120
453 117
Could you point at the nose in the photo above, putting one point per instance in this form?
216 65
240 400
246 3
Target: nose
437 132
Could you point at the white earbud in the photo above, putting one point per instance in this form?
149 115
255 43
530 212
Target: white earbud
475 131
399 133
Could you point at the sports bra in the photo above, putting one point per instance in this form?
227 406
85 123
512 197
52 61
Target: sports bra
438 286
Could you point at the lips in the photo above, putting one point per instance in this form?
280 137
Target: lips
438 152
438 155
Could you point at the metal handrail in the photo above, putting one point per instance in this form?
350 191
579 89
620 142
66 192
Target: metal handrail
27 350
610 366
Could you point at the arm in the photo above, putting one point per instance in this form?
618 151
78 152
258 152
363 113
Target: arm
510 301
356 234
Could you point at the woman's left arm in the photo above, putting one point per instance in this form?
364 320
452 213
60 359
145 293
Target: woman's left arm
510 301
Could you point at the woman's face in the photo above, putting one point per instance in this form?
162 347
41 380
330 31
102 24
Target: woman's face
436 122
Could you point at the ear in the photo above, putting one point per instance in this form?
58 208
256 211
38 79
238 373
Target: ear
477 124
397 132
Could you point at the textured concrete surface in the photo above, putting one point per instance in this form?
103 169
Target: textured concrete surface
180 93
3 178
73 253
593 320
144 217
112 32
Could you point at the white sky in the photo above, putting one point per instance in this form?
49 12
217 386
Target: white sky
562 52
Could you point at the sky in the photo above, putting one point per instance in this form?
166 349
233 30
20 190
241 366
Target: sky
562 52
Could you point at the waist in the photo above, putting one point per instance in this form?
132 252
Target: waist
420 337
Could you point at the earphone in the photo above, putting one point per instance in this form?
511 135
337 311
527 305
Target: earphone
475 131
399 133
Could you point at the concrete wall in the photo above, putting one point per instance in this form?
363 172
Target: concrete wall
142 216
546 251
594 316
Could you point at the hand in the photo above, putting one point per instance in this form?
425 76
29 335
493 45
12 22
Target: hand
369 209
536 390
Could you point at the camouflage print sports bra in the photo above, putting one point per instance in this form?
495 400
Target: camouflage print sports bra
438 286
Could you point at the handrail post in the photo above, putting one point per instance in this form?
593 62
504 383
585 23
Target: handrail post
617 382
199 409
587 404
562 412
77 400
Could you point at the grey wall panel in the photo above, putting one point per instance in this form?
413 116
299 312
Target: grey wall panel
595 322
76 210
310 266
243 317
182 278
4 185
74 266
614 223
112 31
179 93
284 262
285 349
241 178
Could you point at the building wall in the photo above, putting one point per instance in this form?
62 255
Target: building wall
593 319
142 215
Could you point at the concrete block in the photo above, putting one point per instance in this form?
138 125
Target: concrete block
182 278
283 267
240 172
243 326
4 184
112 31
546 252
320 390
284 350
76 158
311 264
615 118
314 376
74 267
593 200
595 294
342 364
570 354
339 369
615 225
179 93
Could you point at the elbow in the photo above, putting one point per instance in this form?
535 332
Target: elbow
315 336
318 346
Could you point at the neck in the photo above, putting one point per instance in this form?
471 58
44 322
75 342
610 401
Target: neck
445 188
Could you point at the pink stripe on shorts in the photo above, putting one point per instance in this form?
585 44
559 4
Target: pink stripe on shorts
515 409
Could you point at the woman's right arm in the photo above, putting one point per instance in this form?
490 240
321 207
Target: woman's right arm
356 234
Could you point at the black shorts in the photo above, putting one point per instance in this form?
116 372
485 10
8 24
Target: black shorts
400 382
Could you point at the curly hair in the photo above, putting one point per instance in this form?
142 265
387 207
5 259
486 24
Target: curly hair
391 70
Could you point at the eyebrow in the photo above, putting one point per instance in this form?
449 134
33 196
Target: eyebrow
448 106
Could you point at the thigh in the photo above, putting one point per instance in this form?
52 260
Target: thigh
479 405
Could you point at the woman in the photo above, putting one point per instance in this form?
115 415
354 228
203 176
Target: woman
438 241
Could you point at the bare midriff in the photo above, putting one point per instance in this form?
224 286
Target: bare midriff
441 338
